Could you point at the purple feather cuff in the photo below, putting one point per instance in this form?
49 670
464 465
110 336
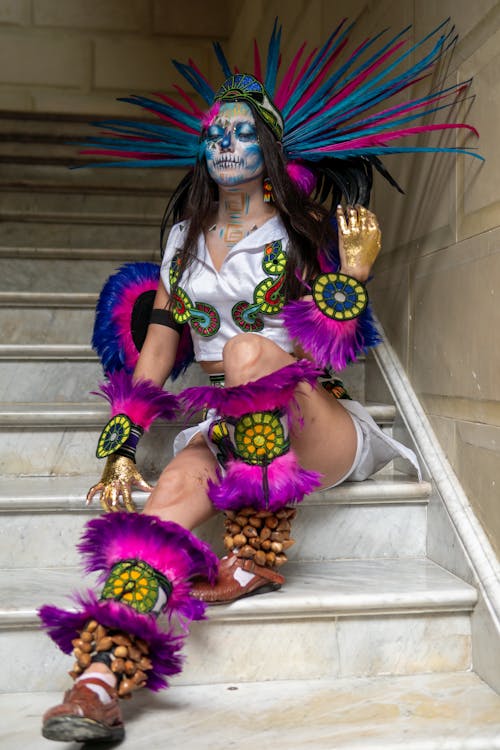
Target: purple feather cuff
284 482
274 391
142 401
332 343
164 545
169 549
164 647
259 468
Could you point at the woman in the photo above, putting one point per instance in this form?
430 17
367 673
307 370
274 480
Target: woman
252 268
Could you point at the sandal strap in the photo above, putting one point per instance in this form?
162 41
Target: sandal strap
111 691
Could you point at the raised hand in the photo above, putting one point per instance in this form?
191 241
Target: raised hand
359 241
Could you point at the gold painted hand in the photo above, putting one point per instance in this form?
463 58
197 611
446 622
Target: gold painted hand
359 241
119 477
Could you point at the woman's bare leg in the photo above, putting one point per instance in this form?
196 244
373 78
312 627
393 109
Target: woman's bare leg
326 442
181 492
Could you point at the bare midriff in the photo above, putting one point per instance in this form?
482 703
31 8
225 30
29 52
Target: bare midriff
212 368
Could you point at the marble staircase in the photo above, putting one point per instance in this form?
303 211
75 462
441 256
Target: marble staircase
370 642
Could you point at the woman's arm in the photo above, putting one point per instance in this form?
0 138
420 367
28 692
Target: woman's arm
154 365
157 355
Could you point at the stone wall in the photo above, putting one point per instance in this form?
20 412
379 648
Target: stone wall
77 56
439 277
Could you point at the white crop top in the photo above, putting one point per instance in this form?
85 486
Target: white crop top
243 296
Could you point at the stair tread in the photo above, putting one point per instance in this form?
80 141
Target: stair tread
69 253
48 299
47 351
450 711
67 217
67 493
313 590
87 413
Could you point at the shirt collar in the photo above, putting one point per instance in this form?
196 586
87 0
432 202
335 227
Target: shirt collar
273 229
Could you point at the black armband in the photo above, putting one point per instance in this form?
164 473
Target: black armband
164 318
121 436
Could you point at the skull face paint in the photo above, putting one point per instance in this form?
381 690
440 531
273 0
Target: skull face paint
232 148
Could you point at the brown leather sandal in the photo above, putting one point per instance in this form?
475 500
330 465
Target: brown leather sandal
83 717
227 588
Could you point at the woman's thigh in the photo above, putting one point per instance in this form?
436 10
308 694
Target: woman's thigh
326 439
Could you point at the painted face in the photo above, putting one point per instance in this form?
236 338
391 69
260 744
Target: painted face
232 148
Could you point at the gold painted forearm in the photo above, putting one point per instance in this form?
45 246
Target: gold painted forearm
119 477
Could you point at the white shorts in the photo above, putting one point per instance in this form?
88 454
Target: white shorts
374 448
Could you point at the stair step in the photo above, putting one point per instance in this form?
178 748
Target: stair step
44 352
383 517
60 438
46 172
28 273
19 202
66 493
53 377
424 712
63 234
48 299
330 619
58 372
95 415
78 218
94 254
61 374
32 326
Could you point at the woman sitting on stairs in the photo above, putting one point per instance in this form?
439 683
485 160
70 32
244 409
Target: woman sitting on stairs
268 284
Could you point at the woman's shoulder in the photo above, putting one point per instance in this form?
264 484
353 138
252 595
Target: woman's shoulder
175 240
178 230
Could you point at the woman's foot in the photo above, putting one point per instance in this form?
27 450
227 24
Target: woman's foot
237 578
83 716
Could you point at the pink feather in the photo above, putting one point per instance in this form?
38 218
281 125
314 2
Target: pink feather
142 401
210 115
122 317
302 176
332 343
270 392
242 484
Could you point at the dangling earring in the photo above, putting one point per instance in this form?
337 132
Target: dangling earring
268 190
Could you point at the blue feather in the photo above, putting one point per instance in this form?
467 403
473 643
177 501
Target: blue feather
329 87
226 69
196 81
305 82
105 338
361 94
273 54
315 155
162 108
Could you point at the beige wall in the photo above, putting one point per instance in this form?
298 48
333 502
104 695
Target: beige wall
438 282
77 56
439 276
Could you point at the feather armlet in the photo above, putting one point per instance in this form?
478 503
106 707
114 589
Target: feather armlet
335 324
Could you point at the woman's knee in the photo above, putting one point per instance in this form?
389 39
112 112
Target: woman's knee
174 486
248 356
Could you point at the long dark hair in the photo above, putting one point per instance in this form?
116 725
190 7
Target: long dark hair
307 221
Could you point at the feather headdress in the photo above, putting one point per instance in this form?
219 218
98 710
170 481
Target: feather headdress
320 109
